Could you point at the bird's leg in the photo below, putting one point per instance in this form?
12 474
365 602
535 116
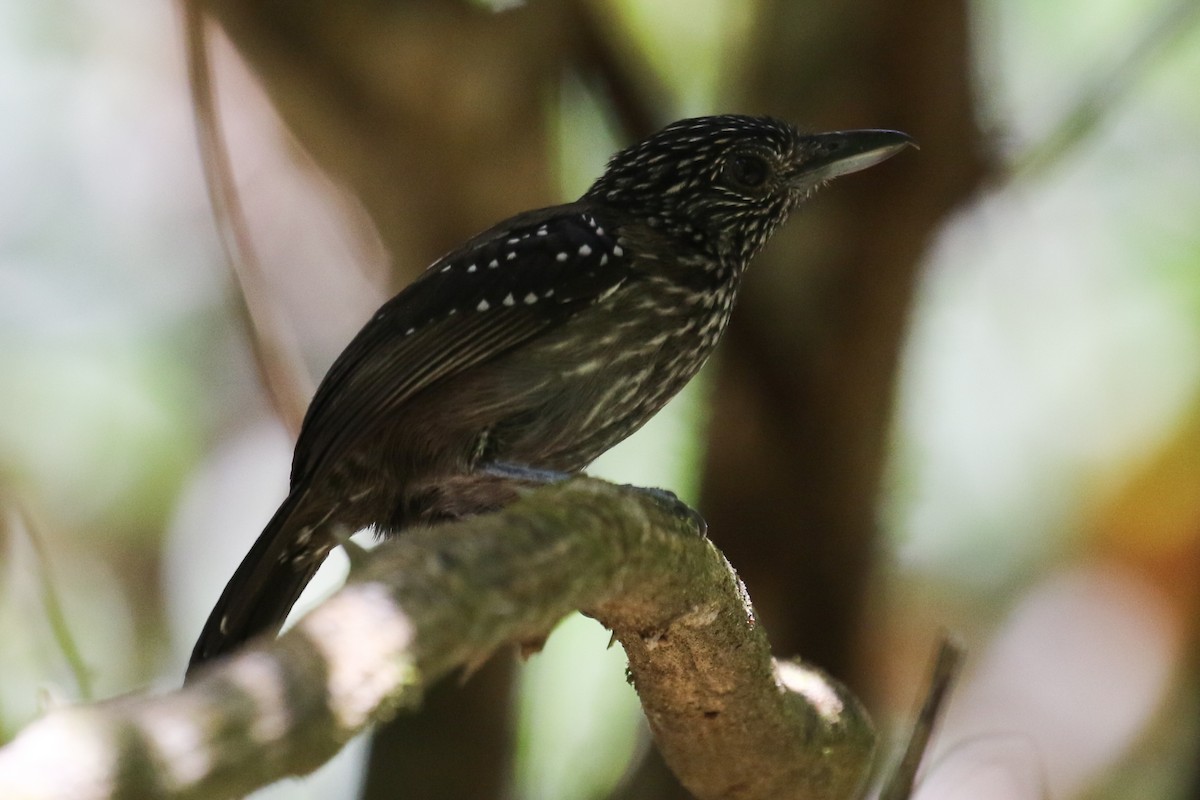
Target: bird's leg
670 502
488 488
524 474
492 487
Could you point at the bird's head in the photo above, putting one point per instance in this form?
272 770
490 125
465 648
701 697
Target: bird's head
719 186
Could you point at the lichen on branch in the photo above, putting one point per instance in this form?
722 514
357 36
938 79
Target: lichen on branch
730 720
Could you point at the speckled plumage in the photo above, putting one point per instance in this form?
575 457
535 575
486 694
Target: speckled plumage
539 343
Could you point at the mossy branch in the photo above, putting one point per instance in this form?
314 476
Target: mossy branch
731 721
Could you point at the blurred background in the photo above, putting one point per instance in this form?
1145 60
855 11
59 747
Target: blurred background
959 392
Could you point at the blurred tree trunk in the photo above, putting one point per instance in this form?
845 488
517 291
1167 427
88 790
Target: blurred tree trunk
805 382
460 744
805 378
434 113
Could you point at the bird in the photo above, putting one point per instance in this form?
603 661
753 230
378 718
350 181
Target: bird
534 347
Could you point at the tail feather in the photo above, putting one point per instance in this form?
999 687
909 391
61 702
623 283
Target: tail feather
264 588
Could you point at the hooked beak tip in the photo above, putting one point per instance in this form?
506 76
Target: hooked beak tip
843 152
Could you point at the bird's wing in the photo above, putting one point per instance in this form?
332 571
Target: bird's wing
501 289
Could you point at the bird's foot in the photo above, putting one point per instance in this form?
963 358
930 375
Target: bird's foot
520 472
670 502
489 488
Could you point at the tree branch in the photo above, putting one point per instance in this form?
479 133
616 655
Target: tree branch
640 103
276 355
1108 86
947 664
732 722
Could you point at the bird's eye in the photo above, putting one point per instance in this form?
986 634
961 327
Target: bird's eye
747 171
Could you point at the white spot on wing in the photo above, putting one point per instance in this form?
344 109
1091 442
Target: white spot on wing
483 306
508 299
471 268
584 250
530 299
561 257
493 264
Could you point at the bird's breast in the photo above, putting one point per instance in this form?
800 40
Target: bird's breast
607 371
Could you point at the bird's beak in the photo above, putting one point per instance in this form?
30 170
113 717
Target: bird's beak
842 152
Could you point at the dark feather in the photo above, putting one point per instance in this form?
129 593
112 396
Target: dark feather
435 328
262 590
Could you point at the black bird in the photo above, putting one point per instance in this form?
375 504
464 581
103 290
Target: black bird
537 345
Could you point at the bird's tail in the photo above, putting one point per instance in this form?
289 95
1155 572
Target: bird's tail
266 584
